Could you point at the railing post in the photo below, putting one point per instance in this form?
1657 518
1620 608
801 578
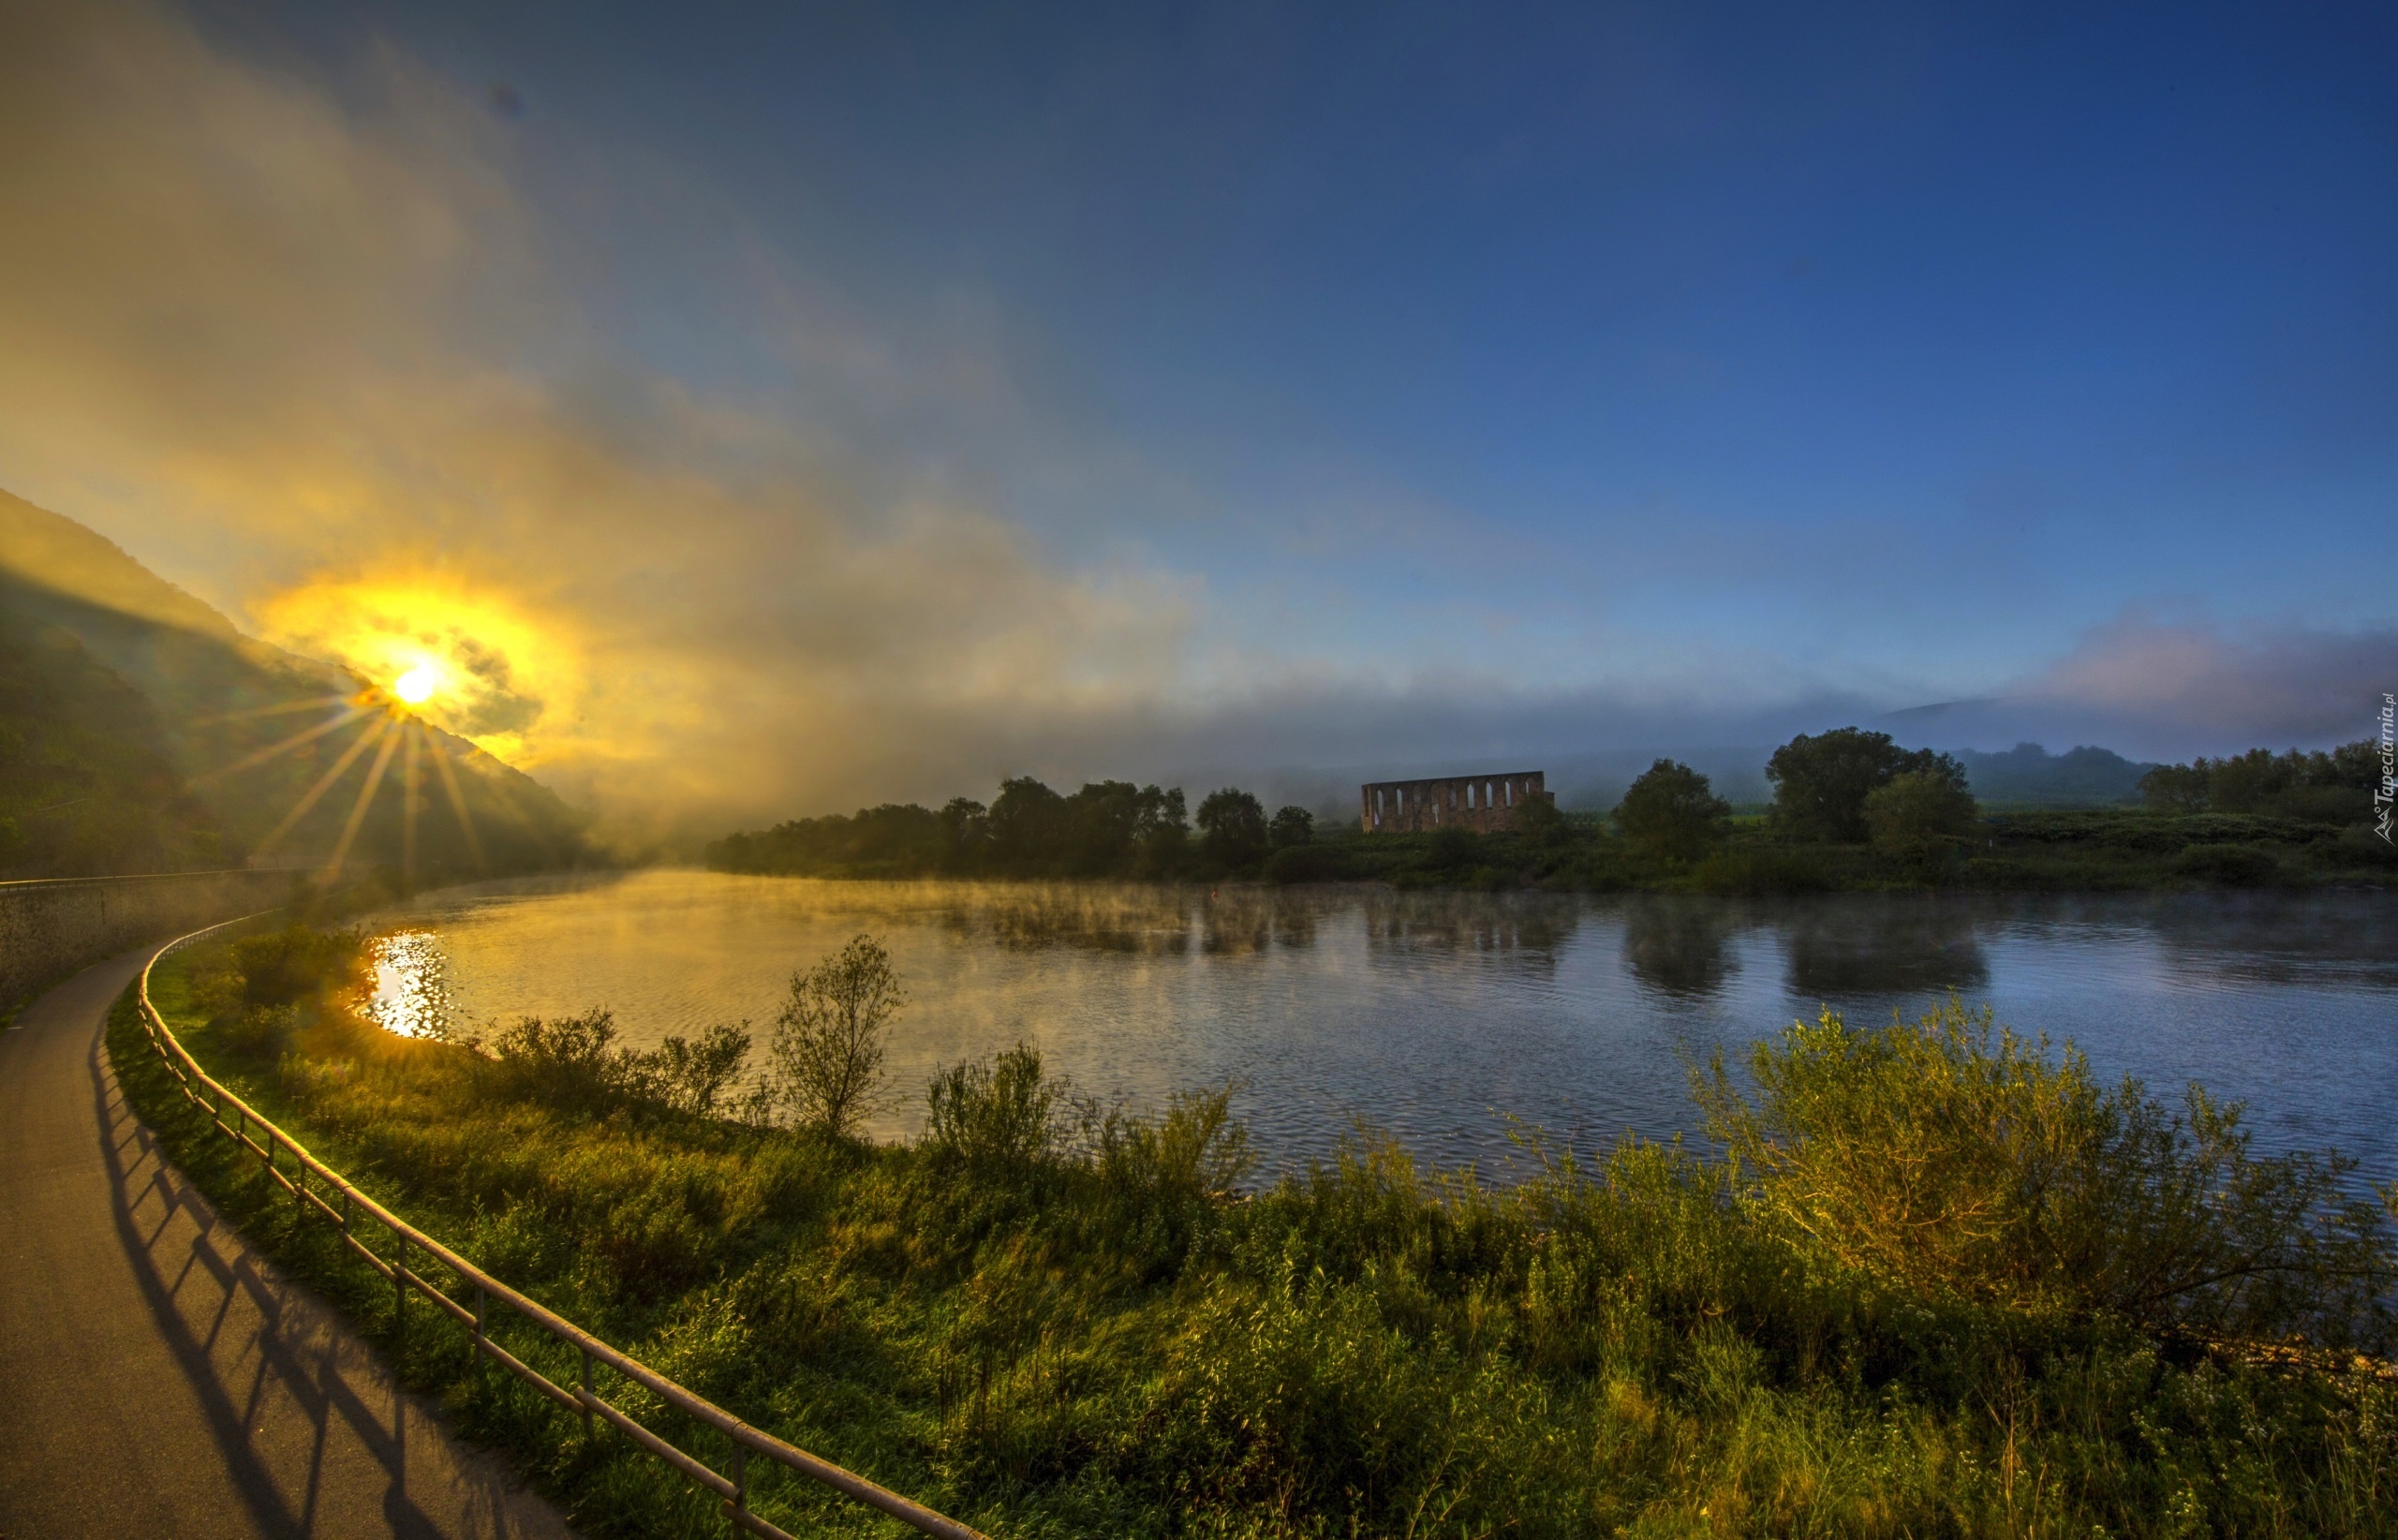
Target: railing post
483 1341
586 1396
400 1285
740 1479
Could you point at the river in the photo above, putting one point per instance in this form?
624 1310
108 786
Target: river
1441 1016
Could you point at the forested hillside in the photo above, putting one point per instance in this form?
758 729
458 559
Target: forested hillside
140 731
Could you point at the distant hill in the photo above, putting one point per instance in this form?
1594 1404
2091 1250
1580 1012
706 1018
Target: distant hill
2028 776
139 730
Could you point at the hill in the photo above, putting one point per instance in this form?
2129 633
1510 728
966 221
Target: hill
2028 776
139 730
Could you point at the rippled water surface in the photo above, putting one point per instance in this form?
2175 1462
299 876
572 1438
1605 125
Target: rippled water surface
1439 1015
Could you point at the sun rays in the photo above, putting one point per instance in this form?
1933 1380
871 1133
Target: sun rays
381 725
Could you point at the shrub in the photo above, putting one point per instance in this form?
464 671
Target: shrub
283 967
2232 865
1763 869
261 1031
1305 863
1950 1160
1452 847
1005 1117
1163 1181
1920 816
571 1062
828 1041
692 1077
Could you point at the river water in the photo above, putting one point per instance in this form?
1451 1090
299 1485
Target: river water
1440 1016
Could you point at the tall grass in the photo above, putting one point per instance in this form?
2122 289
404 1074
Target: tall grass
1936 1282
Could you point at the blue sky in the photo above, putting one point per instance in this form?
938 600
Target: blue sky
1972 326
1732 357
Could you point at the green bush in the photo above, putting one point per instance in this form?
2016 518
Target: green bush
1953 1160
1763 868
2232 865
1919 818
1306 864
1004 1119
282 966
572 1062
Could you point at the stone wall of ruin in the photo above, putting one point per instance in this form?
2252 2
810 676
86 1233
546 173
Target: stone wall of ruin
1484 804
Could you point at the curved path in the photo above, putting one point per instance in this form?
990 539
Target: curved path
158 1377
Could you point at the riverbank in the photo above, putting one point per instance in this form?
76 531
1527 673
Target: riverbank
2046 851
2111 850
1046 1327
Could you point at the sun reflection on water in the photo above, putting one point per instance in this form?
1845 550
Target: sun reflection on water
411 992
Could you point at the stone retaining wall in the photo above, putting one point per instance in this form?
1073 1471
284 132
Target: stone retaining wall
50 929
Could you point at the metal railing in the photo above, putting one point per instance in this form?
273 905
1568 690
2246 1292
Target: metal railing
270 1144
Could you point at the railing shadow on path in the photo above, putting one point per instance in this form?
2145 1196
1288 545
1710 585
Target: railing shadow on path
297 1405
417 1262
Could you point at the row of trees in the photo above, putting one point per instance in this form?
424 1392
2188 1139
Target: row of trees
2336 787
1110 828
1847 786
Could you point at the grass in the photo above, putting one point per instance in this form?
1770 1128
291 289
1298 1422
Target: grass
1911 1298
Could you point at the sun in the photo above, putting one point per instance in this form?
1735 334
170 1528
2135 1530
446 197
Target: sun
417 685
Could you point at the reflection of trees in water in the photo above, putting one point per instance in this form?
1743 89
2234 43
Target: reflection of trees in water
1676 945
1898 947
2277 938
1531 926
1091 917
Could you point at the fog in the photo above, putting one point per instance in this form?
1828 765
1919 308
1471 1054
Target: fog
303 341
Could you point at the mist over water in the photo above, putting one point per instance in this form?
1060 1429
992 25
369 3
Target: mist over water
1439 1015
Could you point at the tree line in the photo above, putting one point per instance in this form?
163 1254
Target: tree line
1849 807
2328 787
1852 787
1109 828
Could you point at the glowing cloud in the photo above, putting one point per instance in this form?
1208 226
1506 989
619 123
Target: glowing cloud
466 660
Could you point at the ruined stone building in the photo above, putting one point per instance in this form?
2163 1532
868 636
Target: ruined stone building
1485 804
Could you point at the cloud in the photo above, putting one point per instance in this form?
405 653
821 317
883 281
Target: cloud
306 341
2192 688
303 342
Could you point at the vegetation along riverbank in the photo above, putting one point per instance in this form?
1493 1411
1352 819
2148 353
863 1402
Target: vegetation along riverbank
1852 811
1928 1279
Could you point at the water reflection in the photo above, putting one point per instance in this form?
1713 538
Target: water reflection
412 994
1524 928
2282 939
1432 1014
1906 945
1679 945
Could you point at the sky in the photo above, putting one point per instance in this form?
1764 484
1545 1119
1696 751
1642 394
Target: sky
760 410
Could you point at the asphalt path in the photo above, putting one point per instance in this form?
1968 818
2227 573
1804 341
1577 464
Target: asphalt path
159 1377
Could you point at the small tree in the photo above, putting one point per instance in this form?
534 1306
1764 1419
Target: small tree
1232 827
1291 826
827 1046
1920 816
1672 812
